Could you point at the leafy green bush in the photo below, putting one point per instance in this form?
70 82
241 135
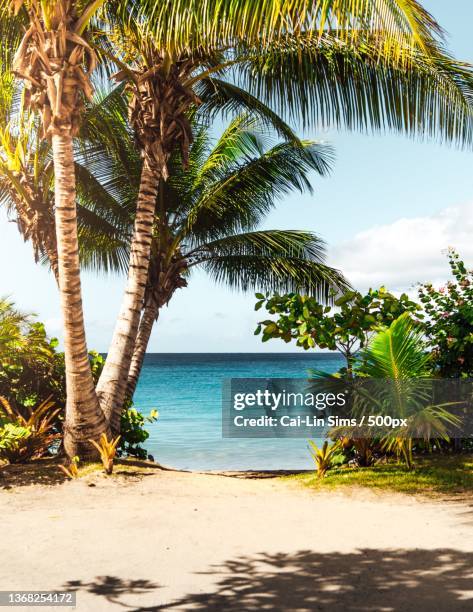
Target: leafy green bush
398 352
346 327
133 432
12 437
31 369
449 322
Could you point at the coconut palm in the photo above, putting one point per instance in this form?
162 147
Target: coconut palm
207 217
362 64
54 60
237 171
26 166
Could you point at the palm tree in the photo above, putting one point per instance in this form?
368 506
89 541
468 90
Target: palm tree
237 171
362 64
207 216
25 166
54 60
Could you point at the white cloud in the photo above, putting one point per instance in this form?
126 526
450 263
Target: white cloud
407 251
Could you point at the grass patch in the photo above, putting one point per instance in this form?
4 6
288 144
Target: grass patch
432 475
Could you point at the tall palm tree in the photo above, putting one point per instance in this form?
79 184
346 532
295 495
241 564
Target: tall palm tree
237 171
208 215
25 166
363 64
54 60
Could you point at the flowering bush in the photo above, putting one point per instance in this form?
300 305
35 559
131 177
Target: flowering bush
449 322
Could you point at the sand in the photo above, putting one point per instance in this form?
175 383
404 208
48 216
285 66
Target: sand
181 541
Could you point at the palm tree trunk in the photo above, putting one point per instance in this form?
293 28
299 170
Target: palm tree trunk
111 388
84 419
150 315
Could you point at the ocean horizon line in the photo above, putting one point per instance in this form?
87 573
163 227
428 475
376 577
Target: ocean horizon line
262 353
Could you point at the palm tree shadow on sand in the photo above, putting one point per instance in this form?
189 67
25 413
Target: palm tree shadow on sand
366 580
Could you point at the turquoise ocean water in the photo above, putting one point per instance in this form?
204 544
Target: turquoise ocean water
187 391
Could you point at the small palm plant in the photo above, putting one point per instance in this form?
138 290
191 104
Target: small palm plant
25 438
398 354
71 470
107 449
324 457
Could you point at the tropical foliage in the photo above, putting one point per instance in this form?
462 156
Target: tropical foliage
393 346
31 369
379 66
25 438
53 61
134 433
397 357
346 326
449 321
107 450
325 456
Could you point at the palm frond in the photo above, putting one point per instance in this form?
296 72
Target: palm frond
187 25
271 260
397 352
220 97
240 198
102 252
93 194
327 82
104 225
243 139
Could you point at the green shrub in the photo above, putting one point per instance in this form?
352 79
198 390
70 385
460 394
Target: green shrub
133 432
449 322
31 369
345 327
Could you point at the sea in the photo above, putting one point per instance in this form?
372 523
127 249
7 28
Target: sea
186 389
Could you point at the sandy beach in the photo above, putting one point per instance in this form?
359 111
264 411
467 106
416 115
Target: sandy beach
181 541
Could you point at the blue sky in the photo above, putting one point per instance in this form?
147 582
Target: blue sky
388 209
